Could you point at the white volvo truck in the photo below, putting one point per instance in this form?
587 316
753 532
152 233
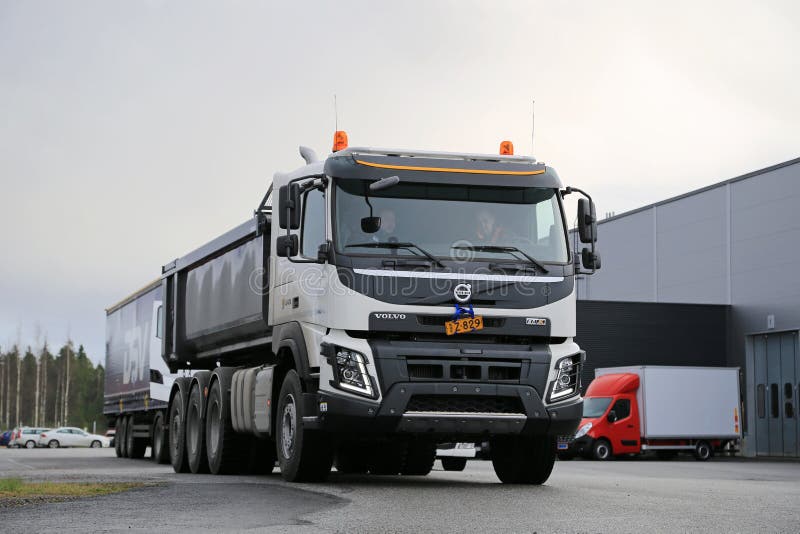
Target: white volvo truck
390 301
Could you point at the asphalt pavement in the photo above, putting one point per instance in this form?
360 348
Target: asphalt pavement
722 495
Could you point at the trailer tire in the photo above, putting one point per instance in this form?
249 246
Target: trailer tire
523 460
420 456
118 437
702 451
454 464
123 436
225 449
196 432
177 432
136 446
159 451
303 455
602 450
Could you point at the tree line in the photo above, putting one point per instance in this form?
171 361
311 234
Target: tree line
39 388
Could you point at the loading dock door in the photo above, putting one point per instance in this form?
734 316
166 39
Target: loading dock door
777 384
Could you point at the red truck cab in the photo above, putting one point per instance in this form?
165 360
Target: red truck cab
610 423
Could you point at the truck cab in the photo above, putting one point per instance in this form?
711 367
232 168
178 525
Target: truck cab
610 423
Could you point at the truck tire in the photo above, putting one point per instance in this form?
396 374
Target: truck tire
420 456
177 432
523 460
136 446
121 436
303 455
454 464
224 448
702 451
160 449
196 432
118 437
602 450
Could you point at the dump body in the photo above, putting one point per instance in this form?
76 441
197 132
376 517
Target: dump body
136 377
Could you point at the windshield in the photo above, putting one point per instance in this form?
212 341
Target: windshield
594 407
439 217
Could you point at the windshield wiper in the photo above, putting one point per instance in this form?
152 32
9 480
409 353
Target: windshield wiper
499 248
404 245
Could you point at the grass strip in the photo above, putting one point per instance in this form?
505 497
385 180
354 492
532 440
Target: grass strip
16 488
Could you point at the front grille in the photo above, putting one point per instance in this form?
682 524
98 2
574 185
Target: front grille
466 369
464 404
423 371
439 320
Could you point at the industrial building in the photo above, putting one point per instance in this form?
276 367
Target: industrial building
718 269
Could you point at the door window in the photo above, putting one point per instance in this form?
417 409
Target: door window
313 232
622 408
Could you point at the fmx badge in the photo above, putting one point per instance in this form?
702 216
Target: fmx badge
462 292
535 321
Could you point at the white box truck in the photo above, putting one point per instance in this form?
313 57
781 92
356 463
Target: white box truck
630 410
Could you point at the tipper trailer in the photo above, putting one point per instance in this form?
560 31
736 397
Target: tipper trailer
398 300
632 410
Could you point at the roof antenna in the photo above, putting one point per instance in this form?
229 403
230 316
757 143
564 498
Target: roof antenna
533 122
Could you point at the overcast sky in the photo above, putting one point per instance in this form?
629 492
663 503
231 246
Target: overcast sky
132 132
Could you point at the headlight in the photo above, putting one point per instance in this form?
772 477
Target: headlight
350 372
583 430
567 379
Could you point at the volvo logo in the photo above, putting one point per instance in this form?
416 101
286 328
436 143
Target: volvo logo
390 316
462 292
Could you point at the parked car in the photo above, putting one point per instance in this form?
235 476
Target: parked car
28 436
110 434
5 438
71 437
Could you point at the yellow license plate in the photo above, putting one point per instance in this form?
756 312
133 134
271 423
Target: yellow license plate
462 326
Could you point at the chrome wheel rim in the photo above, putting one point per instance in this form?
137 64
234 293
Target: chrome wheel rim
288 426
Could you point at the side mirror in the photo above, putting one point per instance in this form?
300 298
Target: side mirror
612 416
589 260
287 246
370 225
289 206
587 221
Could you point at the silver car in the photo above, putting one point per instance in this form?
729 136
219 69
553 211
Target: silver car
28 436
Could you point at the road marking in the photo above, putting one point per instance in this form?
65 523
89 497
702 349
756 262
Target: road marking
26 466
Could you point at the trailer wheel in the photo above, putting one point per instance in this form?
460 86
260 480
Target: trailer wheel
454 464
136 447
160 450
601 450
303 455
225 449
177 431
420 457
196 432
118 437
702 451
522 460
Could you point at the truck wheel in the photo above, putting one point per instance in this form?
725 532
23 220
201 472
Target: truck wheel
420 457
702 451
136 446
225 449
196 432
303 455
601 450
160 450
519 460
454 464
118 437
177 431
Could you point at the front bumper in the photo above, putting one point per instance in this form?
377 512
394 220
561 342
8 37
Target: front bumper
400 411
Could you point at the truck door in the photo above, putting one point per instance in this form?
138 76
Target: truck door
625 429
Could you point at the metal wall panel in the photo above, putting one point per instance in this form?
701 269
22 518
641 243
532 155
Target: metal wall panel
616 334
